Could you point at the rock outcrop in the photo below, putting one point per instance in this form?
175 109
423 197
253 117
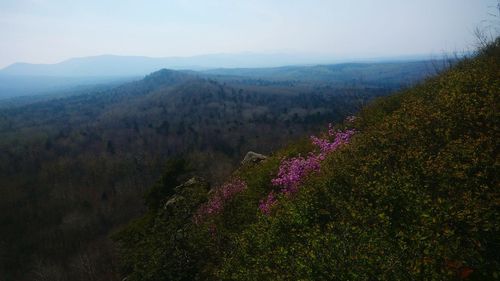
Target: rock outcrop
253 157
187 197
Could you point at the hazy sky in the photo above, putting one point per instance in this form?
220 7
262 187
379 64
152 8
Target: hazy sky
48 31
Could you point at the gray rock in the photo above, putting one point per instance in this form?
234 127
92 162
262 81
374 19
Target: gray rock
189 183
183 193
253 157
172 201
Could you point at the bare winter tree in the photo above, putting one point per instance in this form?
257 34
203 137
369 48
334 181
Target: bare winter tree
490 28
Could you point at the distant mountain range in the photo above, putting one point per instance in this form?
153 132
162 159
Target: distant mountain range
111 65
24 79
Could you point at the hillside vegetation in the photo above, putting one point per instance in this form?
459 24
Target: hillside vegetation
72 168
406 190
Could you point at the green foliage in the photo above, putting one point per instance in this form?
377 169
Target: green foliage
414 196
165 244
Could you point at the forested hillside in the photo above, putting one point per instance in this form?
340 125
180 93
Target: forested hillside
405 190
73 168
343 74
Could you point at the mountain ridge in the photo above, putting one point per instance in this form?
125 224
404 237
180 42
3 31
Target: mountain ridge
117 65
336 74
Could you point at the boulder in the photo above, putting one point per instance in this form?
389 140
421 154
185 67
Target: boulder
172 201
253 157
189 183
186 195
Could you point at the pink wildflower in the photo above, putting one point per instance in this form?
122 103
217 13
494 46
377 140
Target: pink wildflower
292 171
266 204
215 204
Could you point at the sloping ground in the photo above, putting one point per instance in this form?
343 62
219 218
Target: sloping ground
412 195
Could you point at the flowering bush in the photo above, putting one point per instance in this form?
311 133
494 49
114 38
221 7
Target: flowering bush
339 138
292 171
215 204
266 204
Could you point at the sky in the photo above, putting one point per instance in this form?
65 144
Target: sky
50 31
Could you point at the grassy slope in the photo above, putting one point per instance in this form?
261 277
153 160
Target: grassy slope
414 196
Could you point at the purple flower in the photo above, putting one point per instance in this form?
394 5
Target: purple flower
293 171
215 204
266 204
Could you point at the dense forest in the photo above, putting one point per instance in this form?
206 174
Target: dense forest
75 167
407 189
